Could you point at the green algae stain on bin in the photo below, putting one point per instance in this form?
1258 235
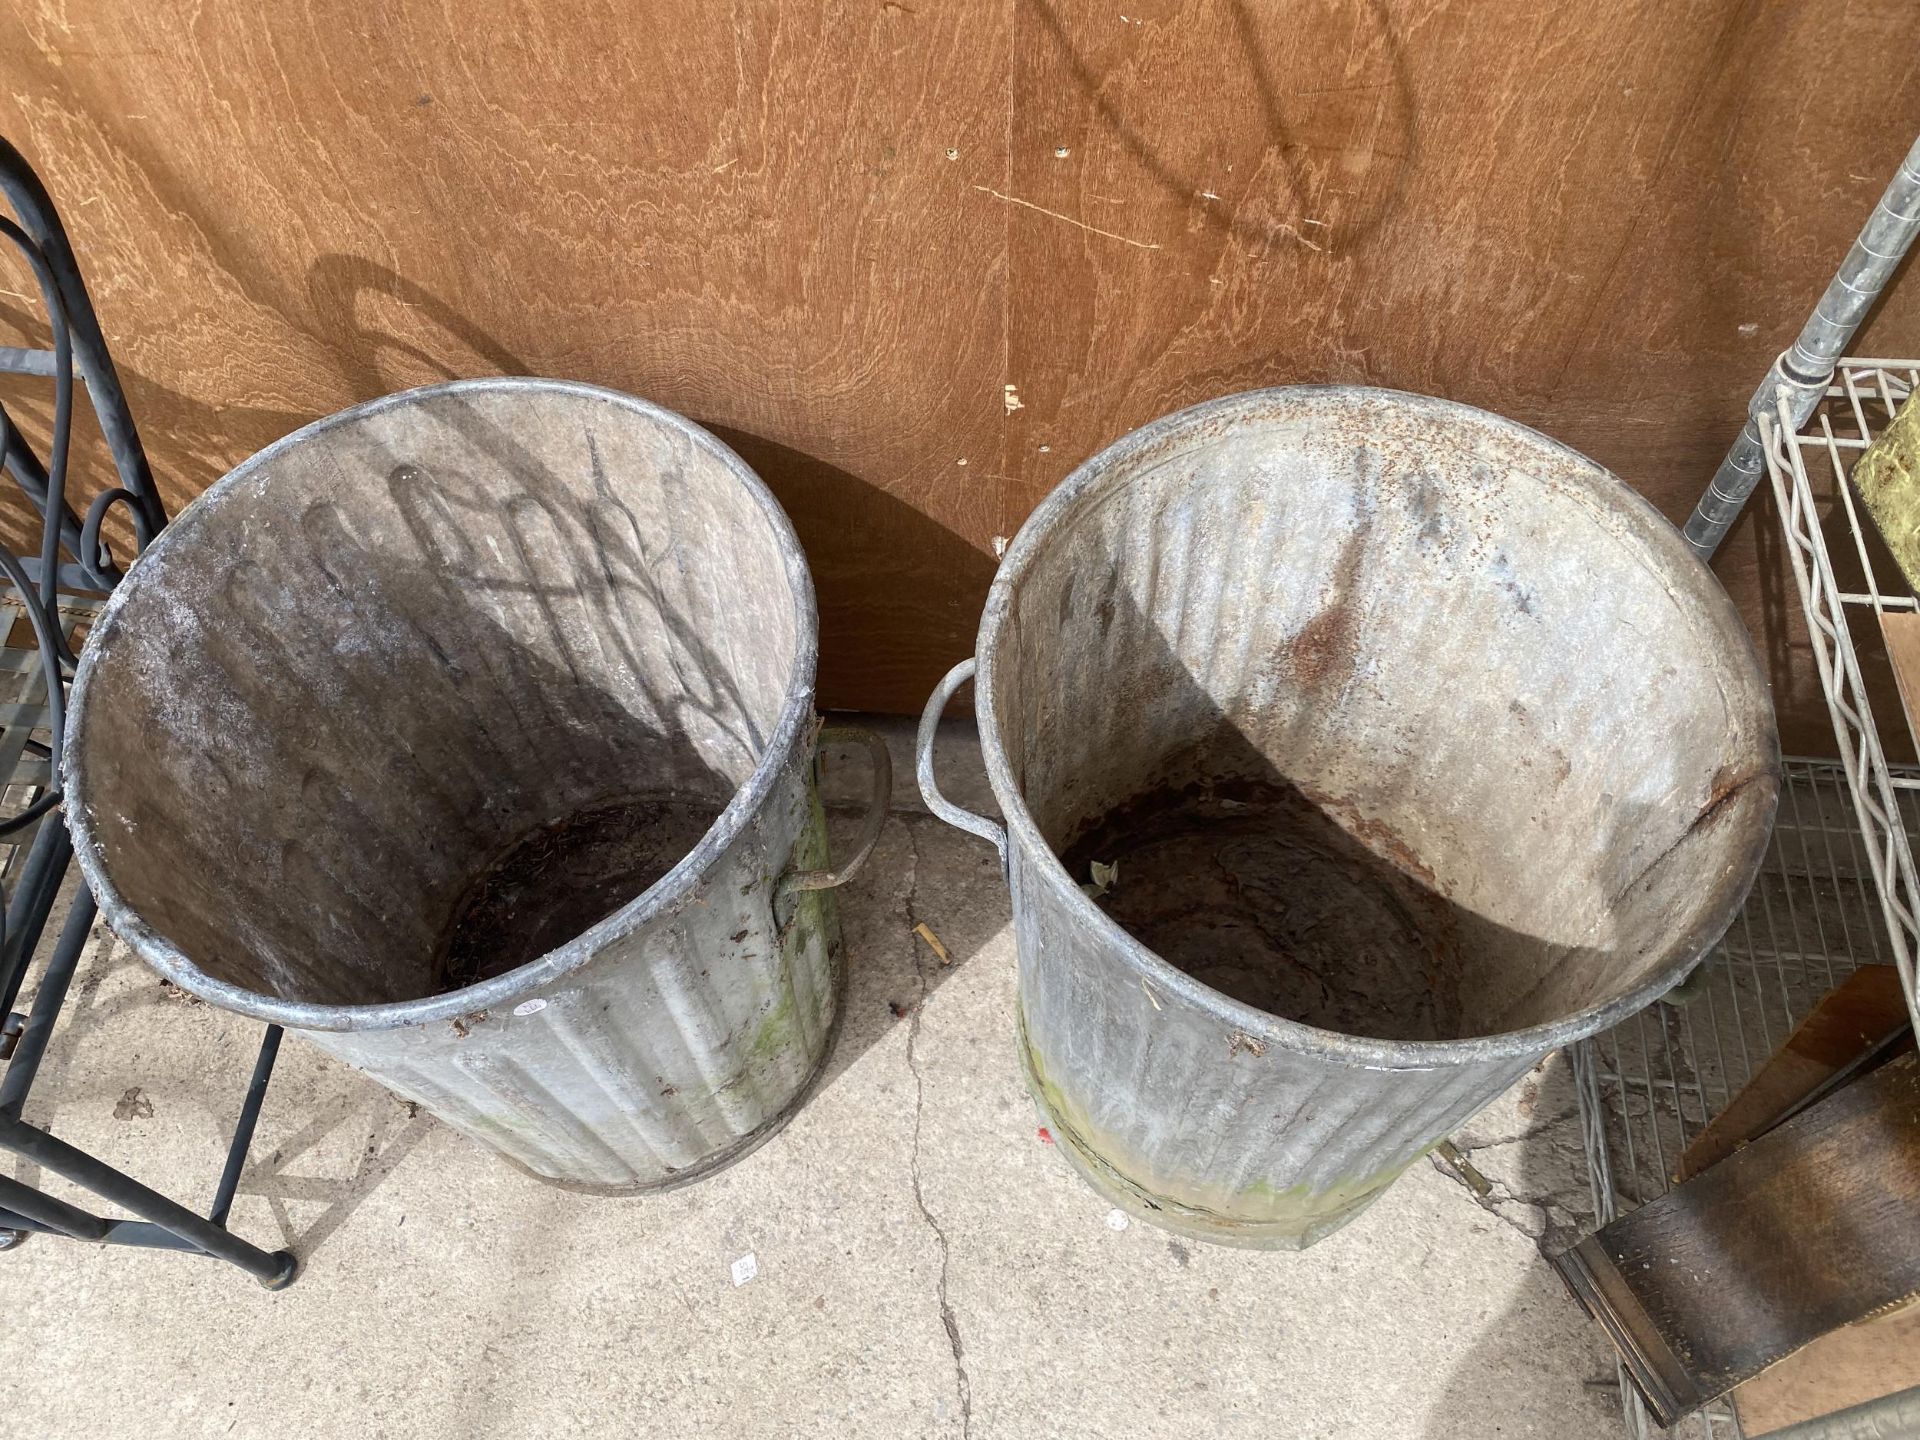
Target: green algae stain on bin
787 1036
809 940
1259 1215
775 1035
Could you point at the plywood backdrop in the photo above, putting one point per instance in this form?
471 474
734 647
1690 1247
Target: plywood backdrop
918 258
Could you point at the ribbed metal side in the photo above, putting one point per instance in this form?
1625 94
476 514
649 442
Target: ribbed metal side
1209 1131
1481 657
447 627
669 1053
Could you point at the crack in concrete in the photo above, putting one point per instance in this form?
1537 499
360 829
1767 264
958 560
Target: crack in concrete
1489 1202
1555 1220
963 1384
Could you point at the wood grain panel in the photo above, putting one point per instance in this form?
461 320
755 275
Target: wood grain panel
743 212
1602 221
839 231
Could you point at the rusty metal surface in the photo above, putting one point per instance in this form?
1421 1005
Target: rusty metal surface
393 666
1529 715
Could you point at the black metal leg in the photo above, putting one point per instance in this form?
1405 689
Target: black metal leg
25 1210
33 896
28 1203
243 1131
47 1001
140 1234
274 1270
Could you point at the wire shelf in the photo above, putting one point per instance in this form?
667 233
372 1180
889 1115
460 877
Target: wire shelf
1808 468
1837 887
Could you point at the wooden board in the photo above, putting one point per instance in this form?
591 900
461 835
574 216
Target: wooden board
1901 630
1807 1229
1855 1363
1851 1366
839 232
742 212
1849 1021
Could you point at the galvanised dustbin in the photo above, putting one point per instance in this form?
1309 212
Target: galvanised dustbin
470 734
1356 750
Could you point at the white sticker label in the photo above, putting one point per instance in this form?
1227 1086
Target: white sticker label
529 1007
745 1268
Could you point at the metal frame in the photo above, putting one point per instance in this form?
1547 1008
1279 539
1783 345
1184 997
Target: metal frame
1803 371
1646 1087
1873 390
1649 1086
74 557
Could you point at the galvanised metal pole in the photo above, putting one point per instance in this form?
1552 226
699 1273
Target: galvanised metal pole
1805 369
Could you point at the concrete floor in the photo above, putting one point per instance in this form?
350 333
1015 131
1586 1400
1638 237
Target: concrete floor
925 1264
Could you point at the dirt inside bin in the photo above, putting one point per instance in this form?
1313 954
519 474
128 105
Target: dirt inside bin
1256 890
563 879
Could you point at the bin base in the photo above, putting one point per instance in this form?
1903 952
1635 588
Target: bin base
739 1149
1315 1218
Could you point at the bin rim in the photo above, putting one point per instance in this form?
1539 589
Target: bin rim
670 893
1640 522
